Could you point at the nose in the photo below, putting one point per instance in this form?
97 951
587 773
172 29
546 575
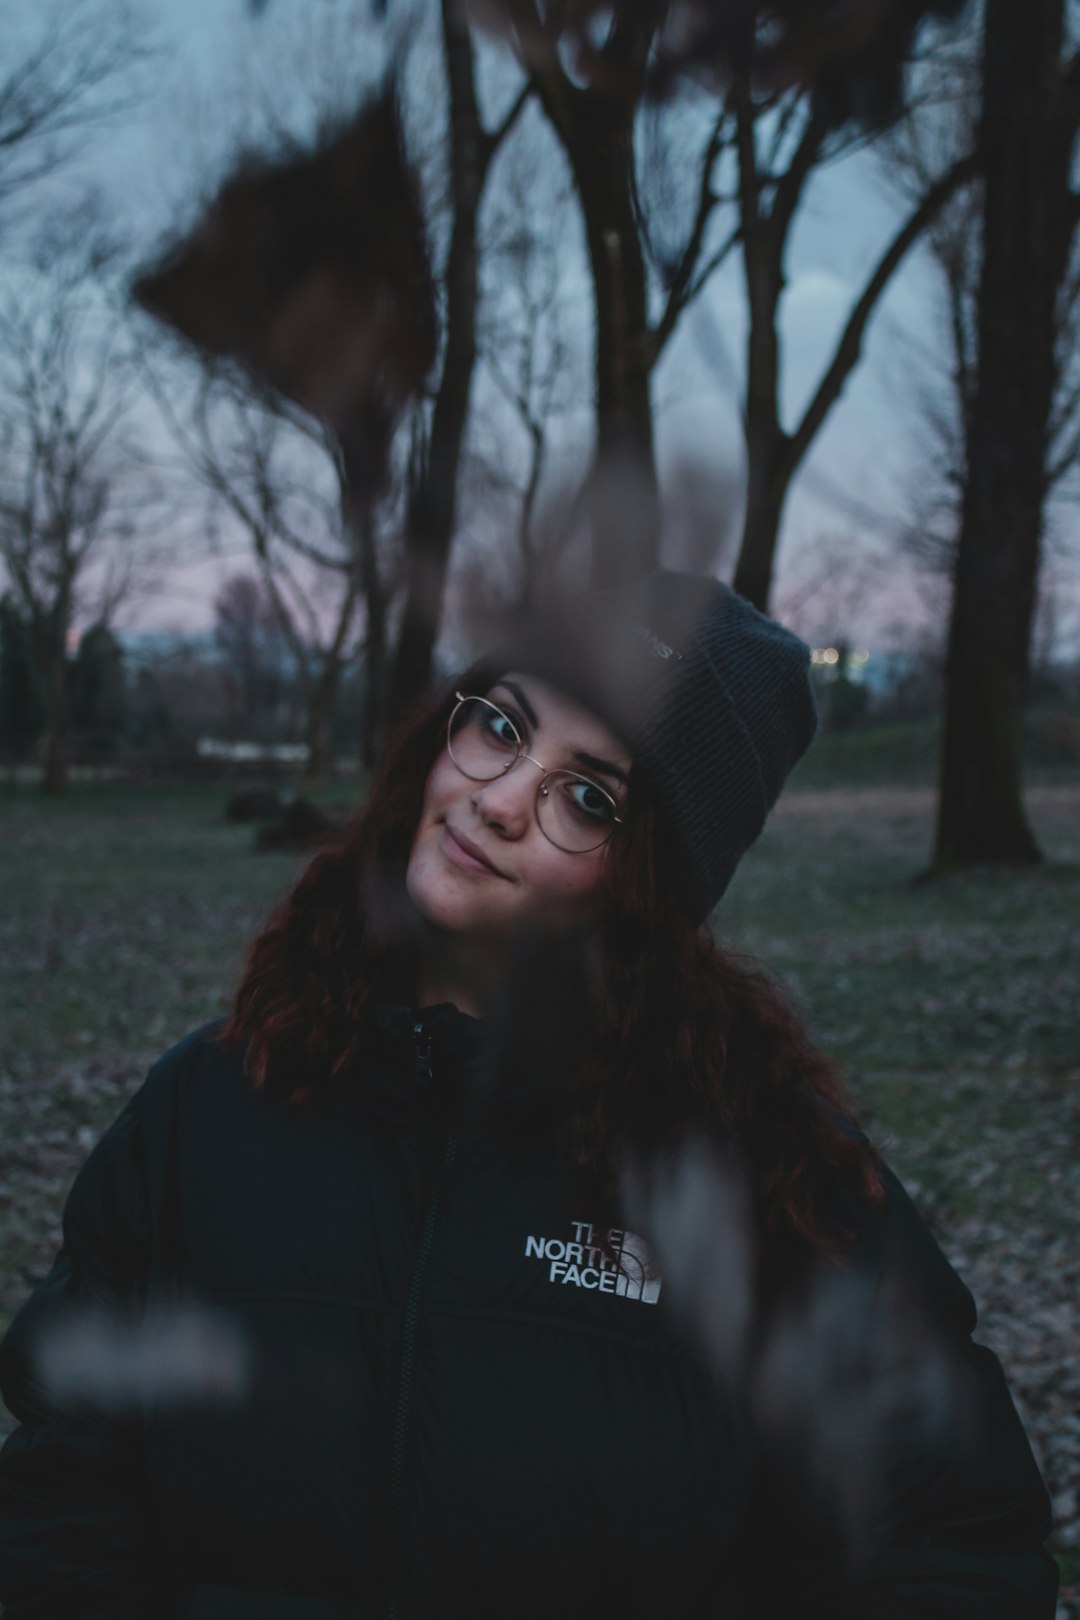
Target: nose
506 803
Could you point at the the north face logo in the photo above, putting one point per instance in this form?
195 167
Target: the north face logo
580 1262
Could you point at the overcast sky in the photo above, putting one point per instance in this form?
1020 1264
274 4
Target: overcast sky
866 451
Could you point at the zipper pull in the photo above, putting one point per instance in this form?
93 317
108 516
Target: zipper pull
423 1053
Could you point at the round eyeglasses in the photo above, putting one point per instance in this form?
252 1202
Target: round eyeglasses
573 813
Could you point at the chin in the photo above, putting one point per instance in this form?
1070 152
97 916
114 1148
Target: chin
449 905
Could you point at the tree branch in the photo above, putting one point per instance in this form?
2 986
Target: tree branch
849 347
789 187
788 109
664 329
538 54
683 277
494 138
1064 461
56 90
749 188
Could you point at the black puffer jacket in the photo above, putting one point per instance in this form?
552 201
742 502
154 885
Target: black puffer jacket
416 1390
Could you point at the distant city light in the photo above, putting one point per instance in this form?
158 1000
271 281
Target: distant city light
833 655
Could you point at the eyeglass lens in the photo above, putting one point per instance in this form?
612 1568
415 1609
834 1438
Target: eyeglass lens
573 812
483 741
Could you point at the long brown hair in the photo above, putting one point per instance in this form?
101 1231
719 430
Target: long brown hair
687 1037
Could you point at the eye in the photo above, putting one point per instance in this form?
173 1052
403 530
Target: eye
499 729
588 801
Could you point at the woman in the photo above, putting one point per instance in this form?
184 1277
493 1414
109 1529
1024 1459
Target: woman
426 1370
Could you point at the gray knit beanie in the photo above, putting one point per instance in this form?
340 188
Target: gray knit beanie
713 699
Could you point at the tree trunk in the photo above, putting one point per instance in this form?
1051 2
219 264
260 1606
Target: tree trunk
768 464
767 209
768 478
319 738
768 448
596 129
433 506
54 775
1026 151
625 515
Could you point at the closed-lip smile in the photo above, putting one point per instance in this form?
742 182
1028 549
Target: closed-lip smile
473 851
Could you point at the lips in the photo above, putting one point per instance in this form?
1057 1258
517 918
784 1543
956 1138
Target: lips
464 853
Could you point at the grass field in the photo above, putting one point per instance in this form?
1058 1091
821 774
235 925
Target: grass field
953 1006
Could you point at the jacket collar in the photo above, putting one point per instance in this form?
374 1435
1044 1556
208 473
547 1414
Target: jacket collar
454 1037
437 1067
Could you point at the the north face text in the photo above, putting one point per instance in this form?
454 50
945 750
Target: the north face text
581 1262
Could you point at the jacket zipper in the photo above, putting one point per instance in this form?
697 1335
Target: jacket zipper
413 1298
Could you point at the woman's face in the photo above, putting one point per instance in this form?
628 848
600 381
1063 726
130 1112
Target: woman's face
480 864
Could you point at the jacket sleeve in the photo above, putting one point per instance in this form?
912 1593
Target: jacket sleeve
909 1485
75 1536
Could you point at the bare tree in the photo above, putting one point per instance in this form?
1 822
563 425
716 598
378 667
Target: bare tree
529 351
598 122
832 586
340 317
596 128
779 146
73 70
249 639
78 511
851 56
281 476
1009 274
1029 126
941 375
433 496
790 79
938 373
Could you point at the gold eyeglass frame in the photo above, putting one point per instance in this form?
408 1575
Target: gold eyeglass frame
541 788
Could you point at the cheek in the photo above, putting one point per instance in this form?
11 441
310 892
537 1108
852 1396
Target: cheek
431 811
444 781
570 887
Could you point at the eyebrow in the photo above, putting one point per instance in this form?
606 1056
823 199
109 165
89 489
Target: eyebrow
605 767
530 712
